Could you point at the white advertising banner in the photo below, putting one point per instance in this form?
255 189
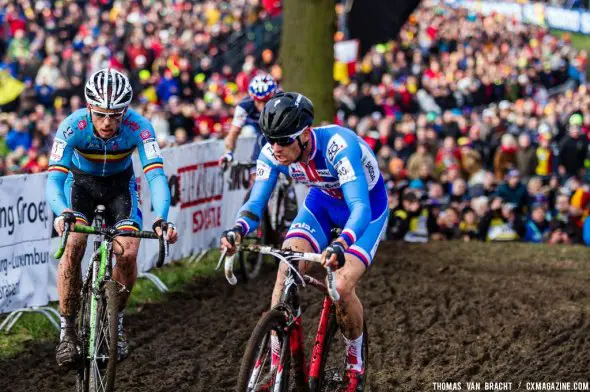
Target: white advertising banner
535 13
585 22
562 19
204 199
25 230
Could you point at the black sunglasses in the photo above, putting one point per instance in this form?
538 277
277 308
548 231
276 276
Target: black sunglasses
282 141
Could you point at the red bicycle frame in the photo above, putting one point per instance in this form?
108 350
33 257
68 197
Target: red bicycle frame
304 377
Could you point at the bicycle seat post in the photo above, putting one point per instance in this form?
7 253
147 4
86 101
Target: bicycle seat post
99 213
99 222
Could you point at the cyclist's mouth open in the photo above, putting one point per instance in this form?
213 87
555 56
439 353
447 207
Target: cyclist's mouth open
282 160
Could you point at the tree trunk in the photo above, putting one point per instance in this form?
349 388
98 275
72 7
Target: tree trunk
307 53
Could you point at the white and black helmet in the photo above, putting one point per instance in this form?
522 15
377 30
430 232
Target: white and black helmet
108 89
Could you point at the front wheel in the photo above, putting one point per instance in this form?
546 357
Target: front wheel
333 366
256 371
102 344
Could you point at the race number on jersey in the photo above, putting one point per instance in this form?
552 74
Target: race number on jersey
152 150
262 171
57 150
345 171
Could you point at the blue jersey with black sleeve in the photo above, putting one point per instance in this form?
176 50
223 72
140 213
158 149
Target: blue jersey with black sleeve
77 147
346 185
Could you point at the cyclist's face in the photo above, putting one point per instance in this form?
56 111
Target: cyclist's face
259 105
287 155
106 121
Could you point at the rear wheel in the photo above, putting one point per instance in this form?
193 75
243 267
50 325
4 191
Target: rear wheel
256 373
333 365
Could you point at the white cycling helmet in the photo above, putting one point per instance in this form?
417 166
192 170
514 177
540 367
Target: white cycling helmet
108 89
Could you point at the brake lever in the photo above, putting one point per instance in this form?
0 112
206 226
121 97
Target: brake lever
229 261
63 241
221 258
332 285
163 241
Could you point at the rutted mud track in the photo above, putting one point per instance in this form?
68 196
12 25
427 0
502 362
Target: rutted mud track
436 313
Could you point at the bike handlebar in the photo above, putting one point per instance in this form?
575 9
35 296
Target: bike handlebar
111 232
282 255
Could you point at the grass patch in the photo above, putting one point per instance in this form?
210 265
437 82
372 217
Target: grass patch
35 327
579 41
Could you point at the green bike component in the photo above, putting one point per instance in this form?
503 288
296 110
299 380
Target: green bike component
77 229
95 289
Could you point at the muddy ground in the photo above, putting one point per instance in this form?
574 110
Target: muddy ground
447 312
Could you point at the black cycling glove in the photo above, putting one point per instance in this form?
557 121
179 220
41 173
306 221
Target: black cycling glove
336 248
229 235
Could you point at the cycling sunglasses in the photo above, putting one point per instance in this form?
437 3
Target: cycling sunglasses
282 141
115 116
285 141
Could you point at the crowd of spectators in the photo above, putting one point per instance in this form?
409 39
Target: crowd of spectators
189 63
480 123
481 127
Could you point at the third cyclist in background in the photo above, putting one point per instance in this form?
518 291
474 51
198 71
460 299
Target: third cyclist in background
261 89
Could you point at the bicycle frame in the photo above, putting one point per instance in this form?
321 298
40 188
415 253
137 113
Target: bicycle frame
95 277
99 276
306 377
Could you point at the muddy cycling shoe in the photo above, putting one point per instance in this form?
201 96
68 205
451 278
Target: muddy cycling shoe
354 381
67 352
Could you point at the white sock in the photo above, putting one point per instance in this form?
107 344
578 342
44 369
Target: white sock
354 353
275 348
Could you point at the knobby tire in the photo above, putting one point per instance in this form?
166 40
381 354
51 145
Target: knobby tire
274 319
108 304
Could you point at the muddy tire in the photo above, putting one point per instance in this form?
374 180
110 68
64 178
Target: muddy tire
257 357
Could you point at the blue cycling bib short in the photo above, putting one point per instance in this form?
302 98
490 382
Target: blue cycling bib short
347 192
86 170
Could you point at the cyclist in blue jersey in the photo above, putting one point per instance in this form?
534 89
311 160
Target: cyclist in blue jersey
261 88
347 191
90 164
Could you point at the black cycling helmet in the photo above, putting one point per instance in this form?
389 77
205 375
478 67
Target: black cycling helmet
285 117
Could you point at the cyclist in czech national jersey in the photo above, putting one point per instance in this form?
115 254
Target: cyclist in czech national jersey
347 191
90 164
261 88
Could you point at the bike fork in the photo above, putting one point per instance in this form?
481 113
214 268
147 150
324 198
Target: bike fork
318 347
